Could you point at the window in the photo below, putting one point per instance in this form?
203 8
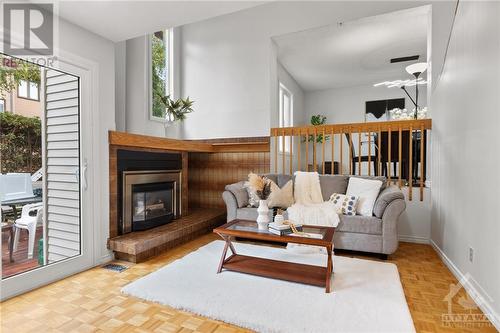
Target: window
2 105
161 67
28 90
285 115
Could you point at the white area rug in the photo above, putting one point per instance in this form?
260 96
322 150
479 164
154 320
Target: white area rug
367 295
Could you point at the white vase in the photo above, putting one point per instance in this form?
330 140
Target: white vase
263 218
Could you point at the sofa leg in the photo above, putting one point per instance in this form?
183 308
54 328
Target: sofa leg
384 256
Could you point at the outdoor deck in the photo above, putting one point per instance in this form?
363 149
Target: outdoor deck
21 262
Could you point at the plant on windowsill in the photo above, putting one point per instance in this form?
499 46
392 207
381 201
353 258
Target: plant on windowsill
317 120
176 110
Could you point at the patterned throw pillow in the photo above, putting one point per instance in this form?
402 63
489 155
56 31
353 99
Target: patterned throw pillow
345 204
253 198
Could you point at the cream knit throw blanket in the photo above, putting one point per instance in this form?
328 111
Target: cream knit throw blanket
309 207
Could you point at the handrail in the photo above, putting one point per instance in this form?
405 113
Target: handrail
409 153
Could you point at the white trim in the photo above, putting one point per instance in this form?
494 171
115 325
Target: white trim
476 293
413 239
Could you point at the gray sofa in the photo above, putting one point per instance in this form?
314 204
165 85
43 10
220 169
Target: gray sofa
376 234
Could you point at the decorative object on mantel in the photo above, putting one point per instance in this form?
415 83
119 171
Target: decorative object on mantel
262 188
175 110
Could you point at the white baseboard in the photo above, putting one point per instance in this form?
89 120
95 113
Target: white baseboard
476 293
413 239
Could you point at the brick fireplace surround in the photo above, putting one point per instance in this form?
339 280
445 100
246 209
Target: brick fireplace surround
207 166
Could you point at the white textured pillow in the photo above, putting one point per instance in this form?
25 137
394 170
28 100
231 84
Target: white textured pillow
367 190
344 204
281 197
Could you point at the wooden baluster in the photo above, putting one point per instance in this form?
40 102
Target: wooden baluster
359 152
332 139
422 147
291 152
307 149
370 153
400 155
323 151
350 151
283 161
275 133
315 167
379 164
341 170
299 166
410 169
389 162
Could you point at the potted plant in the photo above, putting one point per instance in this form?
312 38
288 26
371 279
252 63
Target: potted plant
317 120
176 110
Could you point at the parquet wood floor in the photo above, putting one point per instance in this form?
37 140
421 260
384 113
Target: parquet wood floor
91 301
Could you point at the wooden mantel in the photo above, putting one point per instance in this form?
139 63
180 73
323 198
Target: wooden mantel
150 142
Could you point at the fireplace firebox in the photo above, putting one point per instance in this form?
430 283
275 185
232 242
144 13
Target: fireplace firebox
150 198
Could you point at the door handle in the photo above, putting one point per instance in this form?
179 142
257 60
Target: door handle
84 175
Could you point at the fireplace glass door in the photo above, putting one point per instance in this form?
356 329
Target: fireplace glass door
152 205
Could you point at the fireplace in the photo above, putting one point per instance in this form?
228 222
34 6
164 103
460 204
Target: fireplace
150 198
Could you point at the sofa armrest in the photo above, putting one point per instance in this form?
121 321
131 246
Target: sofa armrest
388 195
390 225
231 205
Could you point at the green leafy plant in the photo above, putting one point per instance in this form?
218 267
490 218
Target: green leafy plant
12 71
176 110
317 120
20 143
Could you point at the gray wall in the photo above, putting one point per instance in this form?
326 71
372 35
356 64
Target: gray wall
465 152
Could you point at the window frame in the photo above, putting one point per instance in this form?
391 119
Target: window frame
282 92
28 94
168 39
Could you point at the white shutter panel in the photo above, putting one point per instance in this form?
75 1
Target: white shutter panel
63 162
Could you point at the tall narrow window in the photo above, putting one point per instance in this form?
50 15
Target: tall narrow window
285 115
160 71
2 105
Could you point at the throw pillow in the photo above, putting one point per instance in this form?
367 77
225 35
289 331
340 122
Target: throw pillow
281 197
367 190
240 193
345 204
253 198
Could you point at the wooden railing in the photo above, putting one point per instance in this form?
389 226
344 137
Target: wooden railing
379 144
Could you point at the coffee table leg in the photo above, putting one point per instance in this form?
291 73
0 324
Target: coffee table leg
329 268
224 252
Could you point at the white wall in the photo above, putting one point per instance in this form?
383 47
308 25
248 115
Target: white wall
465 152
347 105
228 63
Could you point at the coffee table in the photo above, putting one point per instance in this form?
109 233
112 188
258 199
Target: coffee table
294 272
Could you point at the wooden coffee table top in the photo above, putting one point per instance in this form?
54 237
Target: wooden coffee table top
248 230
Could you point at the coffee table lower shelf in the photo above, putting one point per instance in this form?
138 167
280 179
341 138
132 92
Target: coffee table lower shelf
282 270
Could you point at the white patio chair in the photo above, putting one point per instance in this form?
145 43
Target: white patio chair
28 222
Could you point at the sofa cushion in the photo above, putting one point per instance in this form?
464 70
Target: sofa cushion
360 224
281 197
240 193
385 197
273 177
383 179
283 179
333 184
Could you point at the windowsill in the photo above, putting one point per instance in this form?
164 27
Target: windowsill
29 99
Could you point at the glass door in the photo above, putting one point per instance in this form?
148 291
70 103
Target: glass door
44 186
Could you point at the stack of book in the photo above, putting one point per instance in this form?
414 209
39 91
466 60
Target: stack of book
283 229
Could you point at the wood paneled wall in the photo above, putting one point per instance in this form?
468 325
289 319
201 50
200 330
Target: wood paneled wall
209 173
